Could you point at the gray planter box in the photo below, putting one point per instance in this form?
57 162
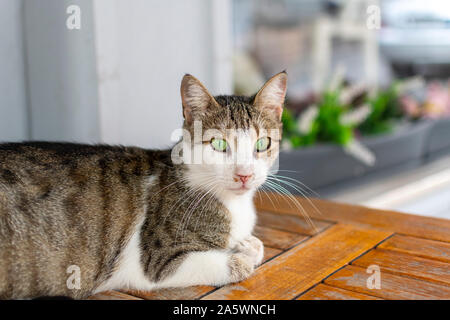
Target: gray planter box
438 140
323 165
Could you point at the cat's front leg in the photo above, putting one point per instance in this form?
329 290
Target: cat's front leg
214 267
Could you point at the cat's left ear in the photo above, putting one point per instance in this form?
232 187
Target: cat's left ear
195 98
270 98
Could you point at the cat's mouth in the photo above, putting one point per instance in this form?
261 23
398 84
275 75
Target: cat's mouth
241 190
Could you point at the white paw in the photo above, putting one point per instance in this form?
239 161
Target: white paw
241 266
252 247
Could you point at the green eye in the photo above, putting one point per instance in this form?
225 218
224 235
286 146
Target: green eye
262 144
219 145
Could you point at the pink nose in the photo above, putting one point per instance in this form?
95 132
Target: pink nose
244 179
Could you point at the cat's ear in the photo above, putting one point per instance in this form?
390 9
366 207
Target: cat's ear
270 98
195 98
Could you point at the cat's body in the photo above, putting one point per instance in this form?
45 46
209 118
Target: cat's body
125 217
67 204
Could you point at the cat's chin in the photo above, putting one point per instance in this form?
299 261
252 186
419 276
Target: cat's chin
240 191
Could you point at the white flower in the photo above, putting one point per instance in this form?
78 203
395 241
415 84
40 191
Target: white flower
286 145
351 92
307 118
360 152
338 78
356 116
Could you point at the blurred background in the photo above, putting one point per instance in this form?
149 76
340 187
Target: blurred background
367 118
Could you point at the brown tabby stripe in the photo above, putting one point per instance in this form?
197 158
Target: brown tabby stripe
168 261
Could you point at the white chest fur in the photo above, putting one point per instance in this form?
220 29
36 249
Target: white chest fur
243 217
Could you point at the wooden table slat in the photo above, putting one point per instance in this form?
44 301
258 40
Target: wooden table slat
326 292
270 253
113 295
188 293
407 265
291 223
303 266
276 238
420 247
392 286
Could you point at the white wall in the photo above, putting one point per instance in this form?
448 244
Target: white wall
61 72
13 99
144 48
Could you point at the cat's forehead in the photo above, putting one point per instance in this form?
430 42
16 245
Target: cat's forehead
239 112
229 100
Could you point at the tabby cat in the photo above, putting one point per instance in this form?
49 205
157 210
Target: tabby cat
79 219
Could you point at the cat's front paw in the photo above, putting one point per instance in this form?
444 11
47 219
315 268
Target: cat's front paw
252 247
241 266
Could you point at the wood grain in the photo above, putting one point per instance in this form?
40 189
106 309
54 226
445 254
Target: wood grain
419 247
419 226
301 267
392 286
291 223
270 253
113 295
188 293
407 265
326 292
278 239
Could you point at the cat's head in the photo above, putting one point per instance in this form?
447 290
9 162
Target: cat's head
232 141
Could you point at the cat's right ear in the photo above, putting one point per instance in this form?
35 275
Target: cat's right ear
271 96
195 99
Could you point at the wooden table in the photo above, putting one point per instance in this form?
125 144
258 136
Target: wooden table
331 260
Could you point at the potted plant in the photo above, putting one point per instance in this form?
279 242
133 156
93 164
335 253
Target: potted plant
348 133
